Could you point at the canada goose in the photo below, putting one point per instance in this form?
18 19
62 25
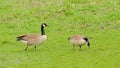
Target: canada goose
79 40
33 39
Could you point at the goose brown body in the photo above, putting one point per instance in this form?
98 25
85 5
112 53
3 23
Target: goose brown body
31 39
77 40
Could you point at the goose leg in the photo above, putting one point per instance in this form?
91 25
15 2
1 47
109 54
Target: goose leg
26 48
35 47
80 48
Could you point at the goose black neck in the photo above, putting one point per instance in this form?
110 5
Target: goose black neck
42 30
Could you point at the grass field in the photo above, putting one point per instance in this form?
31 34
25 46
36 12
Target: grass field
99 20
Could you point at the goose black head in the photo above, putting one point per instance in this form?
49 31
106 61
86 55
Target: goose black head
44 25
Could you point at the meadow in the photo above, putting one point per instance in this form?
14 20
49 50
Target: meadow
99 20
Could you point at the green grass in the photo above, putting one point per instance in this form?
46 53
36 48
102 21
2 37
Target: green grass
99 20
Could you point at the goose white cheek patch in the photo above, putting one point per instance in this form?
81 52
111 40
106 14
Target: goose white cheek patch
43 25
24 41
